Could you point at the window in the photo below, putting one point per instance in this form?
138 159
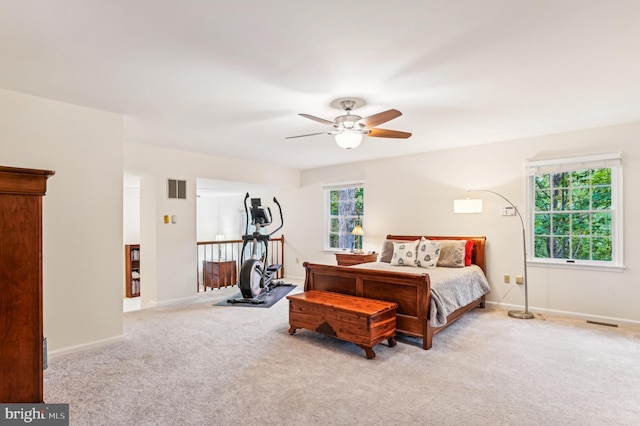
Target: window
576 214
344 206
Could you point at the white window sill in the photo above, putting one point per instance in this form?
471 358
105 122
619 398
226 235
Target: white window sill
332 251
579 266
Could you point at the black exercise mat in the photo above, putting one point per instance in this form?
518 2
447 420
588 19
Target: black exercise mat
269 298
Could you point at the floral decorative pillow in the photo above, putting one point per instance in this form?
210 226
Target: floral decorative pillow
452 253
428 253
404 253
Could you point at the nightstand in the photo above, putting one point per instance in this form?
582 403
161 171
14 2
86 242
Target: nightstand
348 259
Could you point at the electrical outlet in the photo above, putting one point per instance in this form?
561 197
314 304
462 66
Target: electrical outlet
519 280
507 279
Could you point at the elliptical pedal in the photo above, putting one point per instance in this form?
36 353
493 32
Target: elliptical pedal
273 268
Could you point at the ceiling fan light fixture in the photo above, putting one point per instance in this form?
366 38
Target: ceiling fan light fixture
348 128
348 139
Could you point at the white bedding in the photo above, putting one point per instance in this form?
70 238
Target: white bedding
451 288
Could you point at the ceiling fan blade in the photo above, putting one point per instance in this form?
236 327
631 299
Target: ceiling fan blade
310 134
384 133
319 120
379 118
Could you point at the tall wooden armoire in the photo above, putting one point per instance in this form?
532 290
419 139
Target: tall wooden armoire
21 352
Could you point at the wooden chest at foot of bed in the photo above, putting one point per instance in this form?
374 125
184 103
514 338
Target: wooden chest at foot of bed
365 322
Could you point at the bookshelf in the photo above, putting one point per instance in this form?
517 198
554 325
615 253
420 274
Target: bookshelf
132 270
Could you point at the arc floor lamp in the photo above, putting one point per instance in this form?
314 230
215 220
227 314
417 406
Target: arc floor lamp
470 205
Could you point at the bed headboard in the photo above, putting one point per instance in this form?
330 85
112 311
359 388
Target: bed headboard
477 257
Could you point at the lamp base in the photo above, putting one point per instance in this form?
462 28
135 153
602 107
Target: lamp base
521 314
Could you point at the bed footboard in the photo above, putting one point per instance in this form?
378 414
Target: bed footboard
411 292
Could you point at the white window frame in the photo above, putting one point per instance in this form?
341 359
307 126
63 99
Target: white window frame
327 213
557 165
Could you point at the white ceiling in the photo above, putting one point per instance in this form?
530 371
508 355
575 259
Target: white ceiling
228 78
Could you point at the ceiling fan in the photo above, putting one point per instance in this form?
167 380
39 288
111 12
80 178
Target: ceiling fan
350 128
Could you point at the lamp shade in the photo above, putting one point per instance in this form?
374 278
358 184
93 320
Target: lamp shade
467 205
357 230
348 139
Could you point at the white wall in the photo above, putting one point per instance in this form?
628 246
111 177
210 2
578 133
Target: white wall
82 214
207 218
218 215
414 195
229 208
131 214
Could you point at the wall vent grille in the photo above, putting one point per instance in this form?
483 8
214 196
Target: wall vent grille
176 189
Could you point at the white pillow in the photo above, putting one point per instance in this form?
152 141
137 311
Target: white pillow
404 253
428 253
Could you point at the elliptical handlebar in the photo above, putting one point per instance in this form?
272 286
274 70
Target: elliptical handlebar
281 219
247 211
246 214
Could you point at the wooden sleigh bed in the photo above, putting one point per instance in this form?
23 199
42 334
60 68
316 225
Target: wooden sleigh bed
411 291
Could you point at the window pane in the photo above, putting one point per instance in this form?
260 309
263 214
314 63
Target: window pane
561 224
359 195
601 224
542 247
580 178
543 200
580 224
561 199
601 199
580 198
542 181
601 177
543 224
333 241
333 202
602 249
581 248
561 180
561 248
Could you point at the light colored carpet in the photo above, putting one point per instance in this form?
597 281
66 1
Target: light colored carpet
201 364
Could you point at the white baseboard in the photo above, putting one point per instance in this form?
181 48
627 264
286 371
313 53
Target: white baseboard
84 346
569 314
172 302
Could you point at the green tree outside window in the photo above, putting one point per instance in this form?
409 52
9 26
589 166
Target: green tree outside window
346 207
573 215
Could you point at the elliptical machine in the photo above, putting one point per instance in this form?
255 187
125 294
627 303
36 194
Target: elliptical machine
255 278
